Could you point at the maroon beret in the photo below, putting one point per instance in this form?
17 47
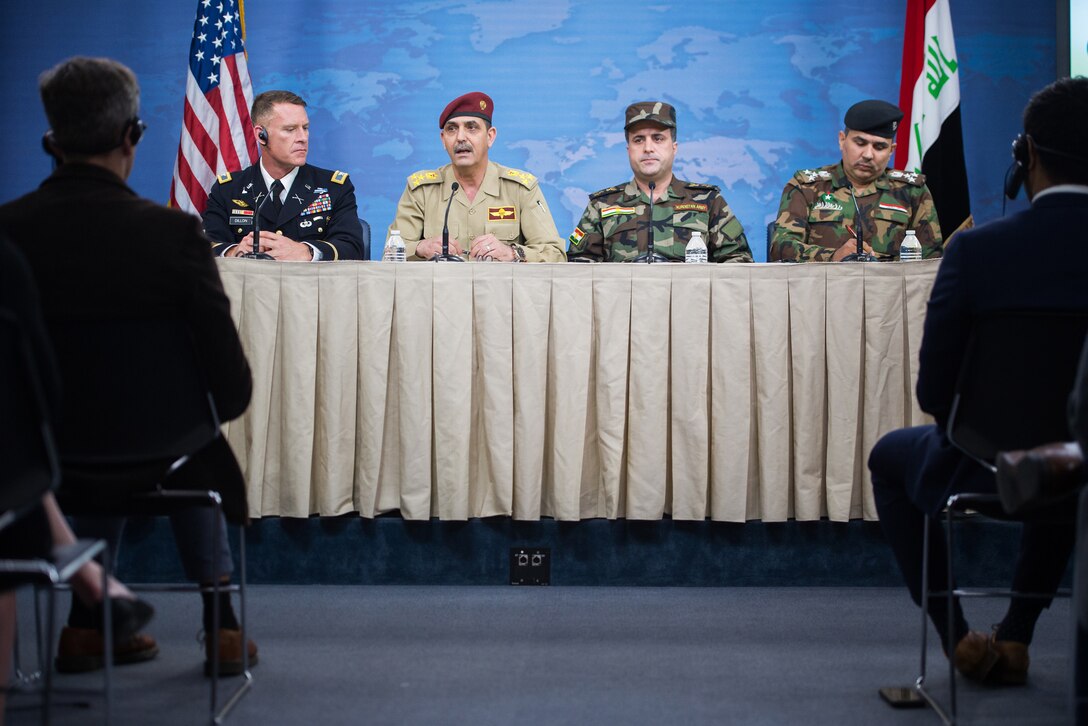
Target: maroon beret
476 104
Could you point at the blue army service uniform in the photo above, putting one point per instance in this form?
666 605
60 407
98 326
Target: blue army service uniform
320 209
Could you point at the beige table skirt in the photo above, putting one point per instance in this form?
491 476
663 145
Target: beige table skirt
572 391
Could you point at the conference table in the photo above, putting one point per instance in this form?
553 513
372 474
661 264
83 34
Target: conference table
732 392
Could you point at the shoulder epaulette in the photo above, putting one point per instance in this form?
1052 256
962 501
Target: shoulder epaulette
424 177
908 177
609 190
339 177
703 187
524 178
224 177
808 176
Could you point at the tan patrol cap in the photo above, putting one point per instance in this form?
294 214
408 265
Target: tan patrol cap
658 112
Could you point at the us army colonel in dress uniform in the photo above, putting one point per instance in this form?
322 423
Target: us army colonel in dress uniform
497 213
312 213
824 210
615 226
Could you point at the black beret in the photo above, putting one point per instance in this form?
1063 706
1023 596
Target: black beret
876 117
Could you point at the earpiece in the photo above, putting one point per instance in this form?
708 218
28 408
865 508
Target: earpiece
49 146
134 131
1014 177
262 135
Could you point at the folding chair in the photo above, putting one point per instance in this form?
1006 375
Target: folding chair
31 470
1011 393
143 445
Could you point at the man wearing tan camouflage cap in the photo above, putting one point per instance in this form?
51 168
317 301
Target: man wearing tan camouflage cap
495 214
825 211
615 226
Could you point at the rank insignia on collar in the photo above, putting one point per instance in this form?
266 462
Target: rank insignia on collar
239 203
502 214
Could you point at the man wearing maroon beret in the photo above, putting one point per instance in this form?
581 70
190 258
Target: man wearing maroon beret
496 213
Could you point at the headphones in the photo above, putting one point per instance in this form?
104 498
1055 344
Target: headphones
1014 177
133 131
262 135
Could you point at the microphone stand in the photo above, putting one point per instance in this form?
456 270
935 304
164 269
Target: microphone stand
255 253
446 256
861 255
649 256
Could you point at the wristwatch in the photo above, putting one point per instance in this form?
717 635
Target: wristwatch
519 253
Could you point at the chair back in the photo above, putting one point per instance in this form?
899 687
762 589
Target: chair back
366 237
133 391
1014 383
29 466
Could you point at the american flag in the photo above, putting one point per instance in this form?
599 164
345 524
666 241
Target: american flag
216 133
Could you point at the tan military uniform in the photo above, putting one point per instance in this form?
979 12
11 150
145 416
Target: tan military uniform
509 205
817 215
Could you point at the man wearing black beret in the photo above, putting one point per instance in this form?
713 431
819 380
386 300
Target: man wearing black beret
856 205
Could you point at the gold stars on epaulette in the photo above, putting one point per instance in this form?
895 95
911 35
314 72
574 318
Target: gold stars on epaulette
910 177
423 177
339 177
224 177
524 178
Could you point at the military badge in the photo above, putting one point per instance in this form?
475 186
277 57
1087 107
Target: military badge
339 177
239 203
691 207
242 212
322 204
501 214
892 207
827 203
224 177
614 210
576 236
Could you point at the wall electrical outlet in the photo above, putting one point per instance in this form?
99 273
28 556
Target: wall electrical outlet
530 566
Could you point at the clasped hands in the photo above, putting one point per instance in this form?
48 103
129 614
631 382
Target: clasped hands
483 247
280 247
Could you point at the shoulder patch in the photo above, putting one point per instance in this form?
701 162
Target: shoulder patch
424 177
524 178
339 177
907 177
224 177
609 190
703 187
808 176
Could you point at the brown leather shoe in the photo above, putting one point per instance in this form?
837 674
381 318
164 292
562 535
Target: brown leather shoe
230 653
81 650
1012 663
975 657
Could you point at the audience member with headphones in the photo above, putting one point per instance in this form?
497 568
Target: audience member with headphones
310 214
98 252
1032 260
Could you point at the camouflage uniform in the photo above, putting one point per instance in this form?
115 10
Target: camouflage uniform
613 226
509 205
817 214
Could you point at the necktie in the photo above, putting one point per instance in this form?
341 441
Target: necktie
277 189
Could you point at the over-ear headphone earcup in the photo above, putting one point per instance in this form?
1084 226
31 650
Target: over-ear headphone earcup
1014 177
263 136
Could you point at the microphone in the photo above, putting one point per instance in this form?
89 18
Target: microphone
255 253
445 256
861 255
648 255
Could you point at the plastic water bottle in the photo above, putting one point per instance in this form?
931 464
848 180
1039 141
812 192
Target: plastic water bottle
394 247
911 249
696 249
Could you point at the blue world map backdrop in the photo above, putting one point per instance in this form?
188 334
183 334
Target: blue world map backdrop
760 88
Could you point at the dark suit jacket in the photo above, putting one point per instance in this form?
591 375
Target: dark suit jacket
320 209
98 251
1034 259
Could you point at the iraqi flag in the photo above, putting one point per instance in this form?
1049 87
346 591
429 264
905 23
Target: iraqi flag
929 95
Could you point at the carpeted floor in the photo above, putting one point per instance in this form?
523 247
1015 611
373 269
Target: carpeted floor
570 655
